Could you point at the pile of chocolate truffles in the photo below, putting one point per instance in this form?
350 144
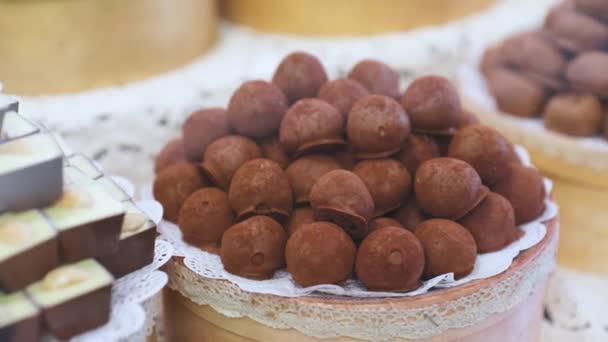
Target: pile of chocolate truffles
343 178
557 71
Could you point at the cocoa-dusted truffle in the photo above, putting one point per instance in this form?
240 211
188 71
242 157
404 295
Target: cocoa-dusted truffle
515 94
433 104
261 187
377 127
377 77
525 189
298 219
345 157
416 149
410 215
172 153
467 119
173 185
304 172
597 8
583 72
575 31
448 188
387 180
381 222
390 259
448 248
299 75
256 109
492 224
342 94
311 125
342 197
522 52
491 59
488 151
201 128
272 149
254 248
225 155
578 115
204 216
320 253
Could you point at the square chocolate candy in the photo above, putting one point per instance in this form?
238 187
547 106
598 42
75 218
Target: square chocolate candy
19 318
16 126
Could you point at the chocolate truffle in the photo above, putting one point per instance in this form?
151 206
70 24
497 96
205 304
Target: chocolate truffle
492 224
488 151
433 104
387 180
311 125
304 172
225 155
467 119
272 149
377 77
261 187
525 189
582 72
256 109
491 59
448 188
298 219
345 157
575 31
204 216
254 248
377 127
416 149
201 128
342 94
172 153
579 115
341 196
381 222
515 94
448 248
410 215
522 52
320 253
299 75
173 185
596 8
390 259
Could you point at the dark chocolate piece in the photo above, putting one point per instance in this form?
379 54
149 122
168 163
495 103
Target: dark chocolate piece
299 75
19 319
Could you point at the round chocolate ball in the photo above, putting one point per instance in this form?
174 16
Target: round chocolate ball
272 149
345 157
416 149
172 153
433 104
448 248
410 215
387 180
299 75
201 128
515 94
521 51
320 253
341 196
488 151
342 94
299 218
492 223
225 155
305 171
390 259
204 216
491 59
377 127
256 109
377 77
254 248
525 189
579 115
261 187
173 185
448 188
311 125
582 72
575 31
381 222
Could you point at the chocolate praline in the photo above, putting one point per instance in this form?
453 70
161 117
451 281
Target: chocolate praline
298 219
381 222
320 253
388 181
416 149
448 248
390 259
521 51
575 31
377 77
448 188
515 94
204 217
172 153
492 223
579 115
304 172
272 149
201 128
377 127
256 109
525 189
225 155
261 187
582 72
254 248
341 196
342 94
173 185
410 215
299 75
